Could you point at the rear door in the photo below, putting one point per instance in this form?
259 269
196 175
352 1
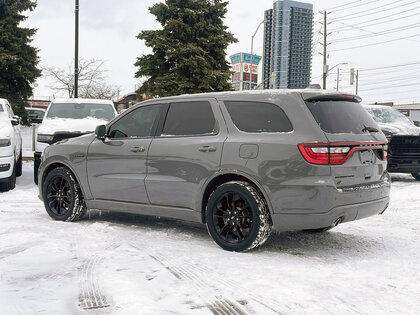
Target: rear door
353 137
186 153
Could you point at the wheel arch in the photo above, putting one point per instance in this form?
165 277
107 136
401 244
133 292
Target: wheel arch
221 178
52 166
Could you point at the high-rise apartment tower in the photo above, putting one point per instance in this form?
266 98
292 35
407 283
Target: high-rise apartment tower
287 45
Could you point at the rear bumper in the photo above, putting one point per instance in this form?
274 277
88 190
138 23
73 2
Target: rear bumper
404 163
295 222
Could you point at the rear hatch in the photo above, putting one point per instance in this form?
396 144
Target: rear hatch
356 149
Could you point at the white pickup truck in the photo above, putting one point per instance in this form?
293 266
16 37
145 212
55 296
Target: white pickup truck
69 118
10 146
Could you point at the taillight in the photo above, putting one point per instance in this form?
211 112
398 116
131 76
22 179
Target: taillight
385 152
335 153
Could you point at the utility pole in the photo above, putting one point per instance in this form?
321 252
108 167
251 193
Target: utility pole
325 67
357 81
338 78
76 51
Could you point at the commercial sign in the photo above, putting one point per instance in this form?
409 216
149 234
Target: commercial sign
247 66
244 57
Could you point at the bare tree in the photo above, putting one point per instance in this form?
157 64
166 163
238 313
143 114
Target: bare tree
92 83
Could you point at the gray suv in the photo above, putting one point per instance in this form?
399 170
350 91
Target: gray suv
242 163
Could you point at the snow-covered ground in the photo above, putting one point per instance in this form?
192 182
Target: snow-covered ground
126 264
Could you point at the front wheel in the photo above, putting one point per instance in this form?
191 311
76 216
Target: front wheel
63 198
416 175
238 217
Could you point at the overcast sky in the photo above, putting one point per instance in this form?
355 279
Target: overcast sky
108 32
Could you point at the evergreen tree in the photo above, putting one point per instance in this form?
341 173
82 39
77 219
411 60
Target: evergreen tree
189 52
18 59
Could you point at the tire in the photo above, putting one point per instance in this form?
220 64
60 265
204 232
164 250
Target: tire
238 218
9 183
19 165
37 161
63 198
416 175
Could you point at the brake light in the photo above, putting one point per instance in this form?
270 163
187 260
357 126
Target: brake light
335 153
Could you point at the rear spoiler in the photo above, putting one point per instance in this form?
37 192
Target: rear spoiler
311 97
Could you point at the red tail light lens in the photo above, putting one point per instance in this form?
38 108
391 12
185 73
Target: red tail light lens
335 153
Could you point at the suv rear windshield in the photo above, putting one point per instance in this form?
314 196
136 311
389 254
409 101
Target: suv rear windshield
341 116
82 110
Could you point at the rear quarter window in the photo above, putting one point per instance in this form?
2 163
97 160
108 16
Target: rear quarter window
258 117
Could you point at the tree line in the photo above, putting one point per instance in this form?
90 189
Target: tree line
188 55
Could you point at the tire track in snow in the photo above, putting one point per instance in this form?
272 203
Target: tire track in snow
91 296
194 273
216 303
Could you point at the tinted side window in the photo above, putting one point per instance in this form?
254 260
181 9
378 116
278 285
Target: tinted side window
258 117
189 118
136 124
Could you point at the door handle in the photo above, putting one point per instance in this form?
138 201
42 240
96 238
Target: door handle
137 149
207 148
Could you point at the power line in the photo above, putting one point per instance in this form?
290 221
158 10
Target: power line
382 33
343 5
391 92
356 6
349 27
355 15
373 44
391 86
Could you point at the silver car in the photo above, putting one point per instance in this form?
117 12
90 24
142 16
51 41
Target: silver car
241 163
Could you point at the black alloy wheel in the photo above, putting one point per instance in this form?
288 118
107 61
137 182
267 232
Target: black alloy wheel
232 217
59 195
63 198
237 216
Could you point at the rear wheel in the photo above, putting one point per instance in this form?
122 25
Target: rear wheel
416 175
237 216
63 198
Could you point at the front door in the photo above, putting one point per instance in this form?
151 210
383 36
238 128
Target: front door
116 166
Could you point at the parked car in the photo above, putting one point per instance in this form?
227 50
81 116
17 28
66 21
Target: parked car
69 118
10 146
35 115
403 137
242 163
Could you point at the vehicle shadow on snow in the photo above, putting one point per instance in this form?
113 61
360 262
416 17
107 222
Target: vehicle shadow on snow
327 244
332 244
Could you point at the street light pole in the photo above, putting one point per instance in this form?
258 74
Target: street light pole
338 78
252 54
76 51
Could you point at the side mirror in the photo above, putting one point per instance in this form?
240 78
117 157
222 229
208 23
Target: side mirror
15 120
100 132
